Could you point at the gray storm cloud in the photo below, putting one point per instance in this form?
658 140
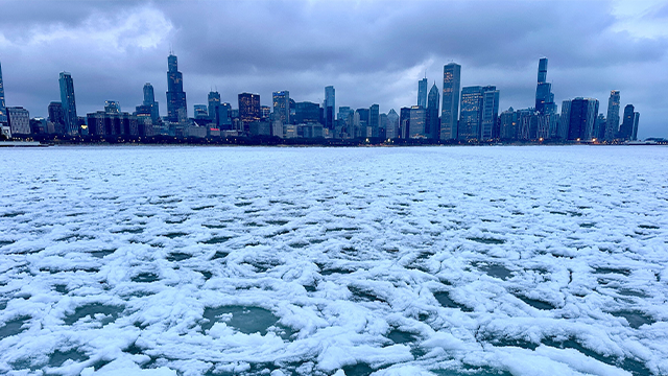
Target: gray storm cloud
371 51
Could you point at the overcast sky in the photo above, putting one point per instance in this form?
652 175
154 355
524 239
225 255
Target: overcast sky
370 51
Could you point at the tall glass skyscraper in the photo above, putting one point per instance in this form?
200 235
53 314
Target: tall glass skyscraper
68 103
214 103
544 97
450 108
149 100
578 117
177 108
433 127
489 113
281 103
249 109
330 107
422 93
470 120
3 109
612 121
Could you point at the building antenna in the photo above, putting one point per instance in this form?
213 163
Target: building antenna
171 52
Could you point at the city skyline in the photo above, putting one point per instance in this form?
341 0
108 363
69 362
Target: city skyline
574 72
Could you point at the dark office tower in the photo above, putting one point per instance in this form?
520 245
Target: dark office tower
149 100
3 108
392 129
471 116
281 102
374 120
177 108
580 116
450 108
404 122
68 103
626 130
636 120
329 107
201 112
433 125
544 97
214 103
422 93
489 113
249 109
224 116
599 128
508 121
612 122
418 122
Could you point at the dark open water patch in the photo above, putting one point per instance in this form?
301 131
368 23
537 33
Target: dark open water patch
471 371
538 304
173 235
400 337
219 255
145 278
359 369
364 295
178 256
13 327
110 312
635 319
59 358
102 253
624 272
487 240
247 320
217 240
444 299
494 270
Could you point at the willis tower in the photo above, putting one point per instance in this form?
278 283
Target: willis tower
177 109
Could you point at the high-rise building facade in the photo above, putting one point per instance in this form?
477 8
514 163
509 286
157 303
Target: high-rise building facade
629 127
329 107
201 111
18 120
214 102
433 128
69 103
579 117
112 107
392 129
374 120
177 108
149 100
281 103
422 93
249 109
471 115
450 107
612 121
418 122
224 116
3 109
544 97
490 113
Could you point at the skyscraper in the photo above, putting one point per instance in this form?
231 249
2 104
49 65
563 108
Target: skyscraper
433 125
177 108
214 103
392 125
612 121
471 116
422 93
249 109
544 97
112 107
149 100
374 120
329 107
489 113
579 118
68 103
629 128
450 108
3 109
418 122
281 102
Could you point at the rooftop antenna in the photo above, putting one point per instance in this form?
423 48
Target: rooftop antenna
171 52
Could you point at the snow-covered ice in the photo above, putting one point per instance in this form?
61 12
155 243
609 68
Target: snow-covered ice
334 261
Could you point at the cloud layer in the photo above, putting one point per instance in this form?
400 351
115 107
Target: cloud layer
371 51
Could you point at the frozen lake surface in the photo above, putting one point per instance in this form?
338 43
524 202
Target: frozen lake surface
332 261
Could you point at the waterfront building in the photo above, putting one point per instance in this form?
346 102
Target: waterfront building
599 128
422 93
471 116
281 103
508 124
112 107
433 125
177 108
489 113
404 122
362 122
629 128
329 107
418 120
149 100
57 117
249 109
103 123
3 108
612 121
578 117
306 112
224 116
544 98
450 107
18 120
392 129
201 112
69 103
265 112
374 121
214 102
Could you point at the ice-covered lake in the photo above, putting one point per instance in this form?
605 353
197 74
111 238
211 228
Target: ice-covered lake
332 261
